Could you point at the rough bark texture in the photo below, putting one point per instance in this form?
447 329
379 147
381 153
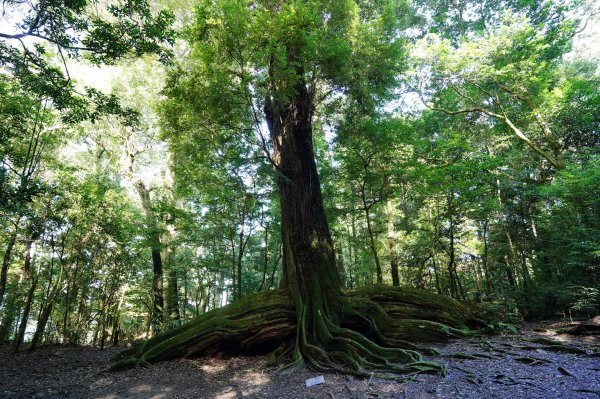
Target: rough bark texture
310 272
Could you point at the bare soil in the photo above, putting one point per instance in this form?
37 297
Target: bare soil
509 366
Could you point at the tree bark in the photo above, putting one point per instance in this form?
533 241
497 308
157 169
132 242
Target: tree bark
158 303
265 256
25 316
485 257
309 268
372 244
6 262
51 293
393 253
174 314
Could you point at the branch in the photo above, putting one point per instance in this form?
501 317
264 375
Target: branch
558 164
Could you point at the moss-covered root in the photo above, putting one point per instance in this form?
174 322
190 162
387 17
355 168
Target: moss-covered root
361 336
414 304
259 320
324 345
369 330
391 316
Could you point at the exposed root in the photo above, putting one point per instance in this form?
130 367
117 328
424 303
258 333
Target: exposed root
553 346
469 356
532 361
566 372
343 350
365 335
414 304
258 320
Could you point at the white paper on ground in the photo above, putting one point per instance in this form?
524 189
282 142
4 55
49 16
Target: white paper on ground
315 381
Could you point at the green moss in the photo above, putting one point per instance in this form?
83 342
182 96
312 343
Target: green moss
370 330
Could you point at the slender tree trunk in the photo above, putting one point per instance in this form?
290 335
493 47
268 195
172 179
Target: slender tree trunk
185 295
233 264
41 324
6 261
393 253
452 264
238 286
71 294
525 271
265 257
200 297
116 316
51 292
11 313
274 270
510 257
353 255
438 287
158 304
30 276
25 314
339 260
485 257
174 314
509 273
372 244
82 308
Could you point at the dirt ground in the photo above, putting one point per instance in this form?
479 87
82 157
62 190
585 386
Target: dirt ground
511 366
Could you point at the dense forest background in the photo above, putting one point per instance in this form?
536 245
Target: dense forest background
136 189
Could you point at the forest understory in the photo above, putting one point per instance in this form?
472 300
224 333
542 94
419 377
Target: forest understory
537 362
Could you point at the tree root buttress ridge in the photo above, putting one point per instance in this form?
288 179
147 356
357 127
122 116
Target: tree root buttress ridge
374 330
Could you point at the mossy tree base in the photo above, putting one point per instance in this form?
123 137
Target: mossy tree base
377 332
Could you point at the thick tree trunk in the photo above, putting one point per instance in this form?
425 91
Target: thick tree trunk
309 268
308 255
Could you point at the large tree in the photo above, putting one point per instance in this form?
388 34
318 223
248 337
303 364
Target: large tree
277 63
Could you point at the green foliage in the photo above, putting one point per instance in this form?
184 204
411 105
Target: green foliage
67 29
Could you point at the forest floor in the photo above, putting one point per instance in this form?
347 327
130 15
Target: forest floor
511 366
